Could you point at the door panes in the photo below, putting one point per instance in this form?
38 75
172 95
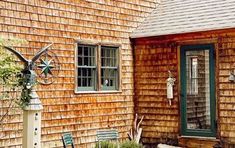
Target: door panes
198 89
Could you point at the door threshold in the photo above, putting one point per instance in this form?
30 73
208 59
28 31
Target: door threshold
197 141
200 138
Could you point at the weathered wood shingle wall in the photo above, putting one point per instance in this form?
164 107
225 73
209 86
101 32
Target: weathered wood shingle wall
62 22
152 63
226 93
153 60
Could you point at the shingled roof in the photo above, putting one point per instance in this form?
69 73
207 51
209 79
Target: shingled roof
185 16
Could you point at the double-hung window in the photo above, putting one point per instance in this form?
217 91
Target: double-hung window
97 68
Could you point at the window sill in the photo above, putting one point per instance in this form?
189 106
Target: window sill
98 92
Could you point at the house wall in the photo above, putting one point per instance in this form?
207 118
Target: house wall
41 22
154 56
152 62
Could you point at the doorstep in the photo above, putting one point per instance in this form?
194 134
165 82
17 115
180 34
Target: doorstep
197 142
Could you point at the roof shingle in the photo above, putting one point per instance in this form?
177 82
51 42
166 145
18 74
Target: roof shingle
185 16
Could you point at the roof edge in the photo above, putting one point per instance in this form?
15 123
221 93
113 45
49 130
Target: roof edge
176 33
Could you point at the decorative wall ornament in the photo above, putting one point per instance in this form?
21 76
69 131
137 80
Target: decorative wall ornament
170 83
47 68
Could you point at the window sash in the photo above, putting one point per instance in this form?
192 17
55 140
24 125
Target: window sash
109 68
86 79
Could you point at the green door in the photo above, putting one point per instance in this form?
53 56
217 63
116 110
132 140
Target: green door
198 90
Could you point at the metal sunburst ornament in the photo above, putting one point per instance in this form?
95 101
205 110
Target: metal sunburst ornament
47 68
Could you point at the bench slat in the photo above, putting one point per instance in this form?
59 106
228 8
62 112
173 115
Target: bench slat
107 135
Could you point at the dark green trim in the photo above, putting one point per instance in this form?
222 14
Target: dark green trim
191 132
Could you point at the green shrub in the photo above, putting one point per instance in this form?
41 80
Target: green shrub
10 72
106 144
9 68
130 144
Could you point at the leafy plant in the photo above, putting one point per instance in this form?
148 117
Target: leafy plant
9 69
10 79
111 144
130 144
10 72
106 144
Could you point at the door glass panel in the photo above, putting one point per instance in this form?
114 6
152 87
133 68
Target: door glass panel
198 89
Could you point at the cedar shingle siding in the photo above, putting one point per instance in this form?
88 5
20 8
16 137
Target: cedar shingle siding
152 62
154 57
63 22
179 22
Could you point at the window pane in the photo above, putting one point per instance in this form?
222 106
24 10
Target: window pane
79 82
90 82
85 49
109 78
84 81
79 61
192 71
85 61
198 98
84 72
80 48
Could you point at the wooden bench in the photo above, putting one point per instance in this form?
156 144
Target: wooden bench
105 135
67 140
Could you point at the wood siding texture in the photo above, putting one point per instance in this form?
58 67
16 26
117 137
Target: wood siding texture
153 58
152 62
63 22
